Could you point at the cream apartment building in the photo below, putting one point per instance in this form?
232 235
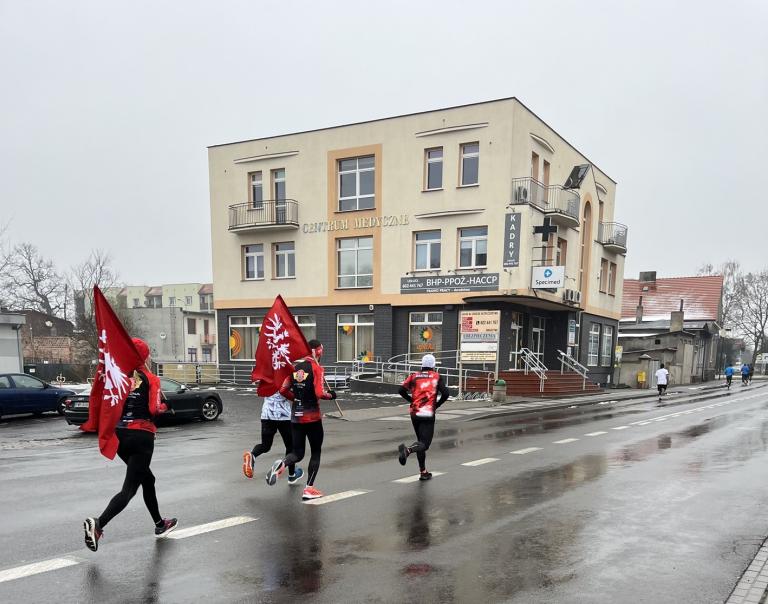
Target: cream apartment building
378 234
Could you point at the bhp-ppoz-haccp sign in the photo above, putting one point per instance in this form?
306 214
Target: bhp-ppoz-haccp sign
449 284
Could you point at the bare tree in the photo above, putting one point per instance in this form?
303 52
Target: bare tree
31 281
751 309
96 270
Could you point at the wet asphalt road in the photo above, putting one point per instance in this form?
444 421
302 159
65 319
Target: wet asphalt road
625 503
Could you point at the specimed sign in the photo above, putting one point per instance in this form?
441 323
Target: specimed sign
547 277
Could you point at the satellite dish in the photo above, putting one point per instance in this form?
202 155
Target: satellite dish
163 335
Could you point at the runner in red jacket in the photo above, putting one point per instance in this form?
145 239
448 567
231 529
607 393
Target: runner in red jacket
305 387
421 390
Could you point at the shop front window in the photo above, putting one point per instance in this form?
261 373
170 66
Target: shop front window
354 338
425 333
594 345
243 337
308 326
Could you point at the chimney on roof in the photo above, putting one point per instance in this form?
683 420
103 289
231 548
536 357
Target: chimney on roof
639 311
677 319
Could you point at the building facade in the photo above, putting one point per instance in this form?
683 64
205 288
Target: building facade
379 234
676 321
11 345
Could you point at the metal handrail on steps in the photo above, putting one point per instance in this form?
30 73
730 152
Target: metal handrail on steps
447 366
573 365
533 363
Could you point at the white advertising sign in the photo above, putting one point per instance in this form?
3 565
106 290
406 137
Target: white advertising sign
547 277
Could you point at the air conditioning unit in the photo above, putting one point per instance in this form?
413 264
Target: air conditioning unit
572 295
521 194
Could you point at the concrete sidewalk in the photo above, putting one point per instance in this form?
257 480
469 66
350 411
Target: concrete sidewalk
752 588
519 404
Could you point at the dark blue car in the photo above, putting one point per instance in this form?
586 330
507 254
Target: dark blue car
22 393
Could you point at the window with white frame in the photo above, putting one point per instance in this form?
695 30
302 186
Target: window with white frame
191 326
354 262
606 350
257 190
171 301
425 332
285 260
357 177
612 278
594 345
243 337
136 303
192 353
188 300
308 326
427 252
470 164
278 183
433 169
473 247
253 261
354 339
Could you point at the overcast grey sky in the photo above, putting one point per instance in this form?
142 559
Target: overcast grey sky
107 108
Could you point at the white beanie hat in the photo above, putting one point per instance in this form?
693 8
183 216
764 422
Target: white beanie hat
428 360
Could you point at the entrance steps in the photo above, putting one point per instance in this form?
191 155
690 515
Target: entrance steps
556 384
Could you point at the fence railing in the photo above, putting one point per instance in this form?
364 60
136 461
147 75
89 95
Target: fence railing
532 363
552 198
447 366
270 212
613 233
572 364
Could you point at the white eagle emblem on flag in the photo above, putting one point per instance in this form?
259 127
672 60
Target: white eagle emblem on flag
116 383
275 334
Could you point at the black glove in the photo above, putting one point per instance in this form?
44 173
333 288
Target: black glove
333 394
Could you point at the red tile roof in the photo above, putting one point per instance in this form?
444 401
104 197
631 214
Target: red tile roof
701 297
207 288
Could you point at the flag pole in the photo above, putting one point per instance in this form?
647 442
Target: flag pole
328 388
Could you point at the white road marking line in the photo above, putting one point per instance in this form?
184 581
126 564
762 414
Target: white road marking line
643 423
36 568
598 433
565 441
661 419
620 428
210 526
396 418
415 478
480 462
336 497
525 451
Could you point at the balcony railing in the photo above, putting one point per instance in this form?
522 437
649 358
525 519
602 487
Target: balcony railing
208 339
613 234
552 198
270 213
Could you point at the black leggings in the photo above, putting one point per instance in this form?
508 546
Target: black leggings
425 430
313 432
270 427
136 448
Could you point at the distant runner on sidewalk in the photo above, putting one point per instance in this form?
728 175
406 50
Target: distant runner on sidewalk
275 417
728 375
662 379
744 375
421 390
305 387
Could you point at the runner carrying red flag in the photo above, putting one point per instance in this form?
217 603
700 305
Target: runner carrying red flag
124 400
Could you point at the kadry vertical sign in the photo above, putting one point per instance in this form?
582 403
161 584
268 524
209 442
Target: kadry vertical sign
512 240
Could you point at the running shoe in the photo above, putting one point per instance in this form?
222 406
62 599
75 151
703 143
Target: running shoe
92 533
403 452
274 472
425 475
294 478
248 464
311 493
168 525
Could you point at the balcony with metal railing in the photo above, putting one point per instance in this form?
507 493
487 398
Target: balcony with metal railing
560 204
613 236
270 214
208 339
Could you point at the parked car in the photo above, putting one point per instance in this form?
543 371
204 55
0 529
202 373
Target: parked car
182 403
22 393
